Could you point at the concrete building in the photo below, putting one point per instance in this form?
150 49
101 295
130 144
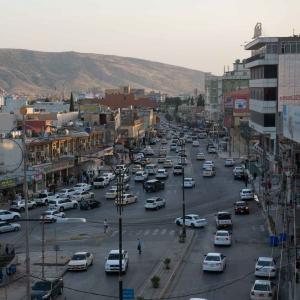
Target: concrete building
213 90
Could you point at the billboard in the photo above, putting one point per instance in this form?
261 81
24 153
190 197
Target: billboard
288 80
291 122
241 105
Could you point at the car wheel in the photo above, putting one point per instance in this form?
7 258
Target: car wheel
15 218
33 206
22 209
178 223
75 206
16 229
92 261
193 225
61 208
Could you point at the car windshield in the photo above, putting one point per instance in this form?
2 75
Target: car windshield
150 201
222 234
224 216
264 263
42 286
42 196
240 204
114 256
262 287
212 258
78 257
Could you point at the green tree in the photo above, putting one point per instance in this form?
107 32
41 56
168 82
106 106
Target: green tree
200 101
72 106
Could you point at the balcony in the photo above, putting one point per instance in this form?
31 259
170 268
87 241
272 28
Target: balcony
263 130
263 83
261 59
262 106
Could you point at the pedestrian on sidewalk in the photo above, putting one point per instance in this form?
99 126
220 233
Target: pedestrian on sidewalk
139 246
105 225
246 180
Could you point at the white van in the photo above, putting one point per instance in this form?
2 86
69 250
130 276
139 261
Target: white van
151 169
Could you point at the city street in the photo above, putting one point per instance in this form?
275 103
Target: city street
157 231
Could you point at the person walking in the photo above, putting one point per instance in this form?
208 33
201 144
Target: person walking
105 225
139 246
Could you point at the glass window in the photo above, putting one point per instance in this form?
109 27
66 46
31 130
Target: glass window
293 47
298 47
287 48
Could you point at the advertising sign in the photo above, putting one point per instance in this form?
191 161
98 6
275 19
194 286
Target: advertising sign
240 105
291 122
288 80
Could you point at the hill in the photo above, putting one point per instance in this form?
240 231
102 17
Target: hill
35 72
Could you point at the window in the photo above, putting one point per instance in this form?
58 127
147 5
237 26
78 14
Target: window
293 47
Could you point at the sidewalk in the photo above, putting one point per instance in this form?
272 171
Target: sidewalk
53 267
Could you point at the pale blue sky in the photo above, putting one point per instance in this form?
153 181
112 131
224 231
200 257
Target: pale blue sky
200 34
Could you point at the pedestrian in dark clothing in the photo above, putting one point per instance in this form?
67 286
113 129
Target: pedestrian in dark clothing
105 225
6 250
246 180
139 246
254 175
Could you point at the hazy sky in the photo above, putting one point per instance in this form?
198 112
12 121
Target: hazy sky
200 34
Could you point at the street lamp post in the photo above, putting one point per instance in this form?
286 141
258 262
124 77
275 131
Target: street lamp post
183 191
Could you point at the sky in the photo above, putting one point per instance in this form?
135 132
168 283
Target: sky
200 34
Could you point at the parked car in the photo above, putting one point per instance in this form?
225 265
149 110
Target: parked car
67 192
112 261
161 174
177 170
191 220
200 156
83 186
153 185
7 215
229 162
189 182
111 176
140 176
222 238
48 288
263 289
246 194
173 147
101 182
265 267
127 199
63 204
89 204
241 208
155 203
223 220
7 227
19 205
52 215
214 262
83 195
80 261
43 198
238 172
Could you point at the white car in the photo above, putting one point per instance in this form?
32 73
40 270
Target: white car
100 182
189 182
214 262
80 261
67 193
63 204
191 220
195 144
168 163
200 156
177 170
208 171
265 267
19 205
155 203
246 194
161 160
163 141
43 198
7 215
82 186
263 290
140 176
161 174
7 227
112 261
148 151
208 163
111 194
52 215
136 168
229 162
111 176
212 150
82 195
222 238
127 199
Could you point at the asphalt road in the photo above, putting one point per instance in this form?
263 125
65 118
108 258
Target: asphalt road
156 229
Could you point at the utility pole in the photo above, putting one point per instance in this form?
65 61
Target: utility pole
229 131
43 248
23 111
183 192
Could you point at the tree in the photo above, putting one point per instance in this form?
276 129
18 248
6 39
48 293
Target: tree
192 101
200 101
72 107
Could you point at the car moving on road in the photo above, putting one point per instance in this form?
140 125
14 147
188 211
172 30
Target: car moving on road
89 204
127 199
100 182
208 171
43 198
19 205
140 176
229 162
200 156
223 220
189 182
7 227
265 267
214 262
6 215
80 261
155 203
82 195
246 194
241 208
222 238
263 290
52 215
63 204
153 185
238 173
112 261
82 186
49 288
161 174
191 220
111 194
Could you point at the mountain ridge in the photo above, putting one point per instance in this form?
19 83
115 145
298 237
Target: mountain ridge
41 72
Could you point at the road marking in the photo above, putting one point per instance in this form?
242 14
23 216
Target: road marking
164 231
155 232
147 232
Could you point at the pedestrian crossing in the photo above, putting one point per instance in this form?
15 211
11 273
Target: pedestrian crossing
147 232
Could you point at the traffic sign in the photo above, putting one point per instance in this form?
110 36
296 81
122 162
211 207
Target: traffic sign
128 294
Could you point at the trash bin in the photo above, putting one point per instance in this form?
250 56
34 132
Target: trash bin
273 241
282 237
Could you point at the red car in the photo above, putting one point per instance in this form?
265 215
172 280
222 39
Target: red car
241 208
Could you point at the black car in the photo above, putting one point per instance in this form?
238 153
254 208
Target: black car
89 204
47 289
153 185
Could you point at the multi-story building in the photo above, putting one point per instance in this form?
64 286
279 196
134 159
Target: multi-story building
212 94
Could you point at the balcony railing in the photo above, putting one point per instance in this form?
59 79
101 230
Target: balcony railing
255 57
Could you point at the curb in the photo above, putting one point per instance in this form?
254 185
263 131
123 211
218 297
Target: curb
165 289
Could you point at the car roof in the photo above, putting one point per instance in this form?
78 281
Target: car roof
115 251
223 231
267 282
154 198
246 190
223 212
161 170
152 180
192 215
213 254
81 252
